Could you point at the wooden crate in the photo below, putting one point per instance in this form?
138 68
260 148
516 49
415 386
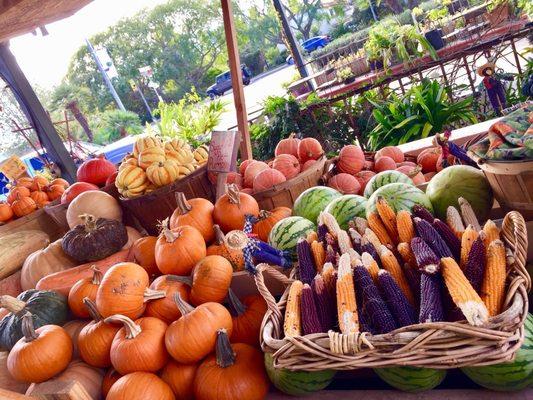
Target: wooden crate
38 220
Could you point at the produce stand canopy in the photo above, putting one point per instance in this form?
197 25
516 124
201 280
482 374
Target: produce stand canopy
18 17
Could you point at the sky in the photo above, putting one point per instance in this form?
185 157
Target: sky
45 60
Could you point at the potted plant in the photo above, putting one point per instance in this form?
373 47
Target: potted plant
345 75
498 11
411 44
433 32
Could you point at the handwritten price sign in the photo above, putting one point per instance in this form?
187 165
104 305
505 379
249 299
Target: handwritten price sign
223 151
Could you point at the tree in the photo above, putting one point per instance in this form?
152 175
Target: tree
11 115
304 14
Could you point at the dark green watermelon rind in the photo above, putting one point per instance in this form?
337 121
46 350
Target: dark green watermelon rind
384 178
281 237
411 379
409 196
312 201
347 208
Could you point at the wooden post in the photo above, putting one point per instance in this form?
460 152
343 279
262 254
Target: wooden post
236 79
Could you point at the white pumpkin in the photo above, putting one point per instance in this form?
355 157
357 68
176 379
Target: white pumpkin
93 202
133 235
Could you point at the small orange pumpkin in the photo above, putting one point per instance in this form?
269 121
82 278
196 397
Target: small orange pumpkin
60 181
247 317
23 206
267 220
40 198
110 377
180 378
25 181
54 191
38 182
17 191
211 279
197 213
6 213
165 309
344 183
144 254
309 149
231 208
84 288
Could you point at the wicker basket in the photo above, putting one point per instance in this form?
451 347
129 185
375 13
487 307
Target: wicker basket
286 193
439 345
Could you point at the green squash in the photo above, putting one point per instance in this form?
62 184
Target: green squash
46 306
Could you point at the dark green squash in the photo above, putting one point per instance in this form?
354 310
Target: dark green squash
46 306
95 239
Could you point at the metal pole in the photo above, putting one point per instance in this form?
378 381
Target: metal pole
104 75
145 103
374 14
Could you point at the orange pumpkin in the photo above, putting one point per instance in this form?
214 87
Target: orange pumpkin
144 254
233 372
165 308
193 336
252 170
6 213
363 177
54 191
221 247
413 173
40 198
38 182
73 329
287 146
267 220
197 213
390 151
267 179
95 339
17 191
110 377
247 317
244 165
139 345
86 287
140 386
60 181
344 183
287 164
211 278
25 181
351 159
23 206
231 208
384 163
308 164
178 250
428 158
309 149
180 378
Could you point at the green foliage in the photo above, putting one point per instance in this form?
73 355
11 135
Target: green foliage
525 7
423 111
116 124
341 42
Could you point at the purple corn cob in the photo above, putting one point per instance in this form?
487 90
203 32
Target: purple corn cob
356 240
372 304
331 256
305 261
475 264
452 312
332 241
321 231
370 249
364 326
431 307
426 258
432 238
325 305
310 322
413 279
261 256
445 232
422 212
402 311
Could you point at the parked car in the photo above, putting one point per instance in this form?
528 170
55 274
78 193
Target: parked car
312 44
223 82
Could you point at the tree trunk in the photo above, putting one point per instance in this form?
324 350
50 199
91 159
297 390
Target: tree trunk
395 6
75 110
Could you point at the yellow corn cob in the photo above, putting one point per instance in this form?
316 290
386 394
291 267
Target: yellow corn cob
463 294
328 273
375 224
372 238
346 304
360 225
408 257
469 236
312 236
390 263
330 221
468 214
491 231
405 227
371 265
344 241
454 221
388 218
493 288
292 325
319 254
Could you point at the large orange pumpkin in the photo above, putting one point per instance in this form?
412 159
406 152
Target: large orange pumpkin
267 220
180 378
351 159
344 183
247 316
197 213
267 179
143 251
140 386
231 208
165 308
221 247
287 164
309 149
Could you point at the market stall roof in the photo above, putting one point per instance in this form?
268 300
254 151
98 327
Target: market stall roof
18 17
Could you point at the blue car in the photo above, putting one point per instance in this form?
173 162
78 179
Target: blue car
312 44
223 82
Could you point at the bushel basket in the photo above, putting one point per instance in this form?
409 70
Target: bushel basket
440 345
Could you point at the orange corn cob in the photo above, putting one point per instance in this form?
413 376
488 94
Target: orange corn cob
312 236
375 224
319 254
371 265
390 263
408 257
493 288
492 232
388 218
469 235
405 227
292 326
372 238
346 303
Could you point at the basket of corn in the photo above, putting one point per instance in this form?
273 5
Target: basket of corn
401 289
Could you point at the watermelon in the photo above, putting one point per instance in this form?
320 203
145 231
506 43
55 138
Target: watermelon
312 201
460 181
297 383
285 233
411 379
346 208
400 196
384 178
506 377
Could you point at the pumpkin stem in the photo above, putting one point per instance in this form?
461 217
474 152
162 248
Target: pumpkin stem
183 306
264 214
89 221
235 305
97 275
183 279
182 204
151 294
233 193
219 235
236 240
28 330
132 329
12 304
224 352
91 308
169 235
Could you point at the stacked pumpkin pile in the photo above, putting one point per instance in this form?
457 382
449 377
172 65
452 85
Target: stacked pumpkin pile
30 194
155 163
292 156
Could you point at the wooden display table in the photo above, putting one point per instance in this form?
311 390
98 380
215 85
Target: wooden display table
38 220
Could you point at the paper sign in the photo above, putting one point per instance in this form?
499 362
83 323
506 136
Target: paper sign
13 168
223 151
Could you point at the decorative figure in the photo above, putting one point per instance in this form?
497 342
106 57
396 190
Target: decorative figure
494 87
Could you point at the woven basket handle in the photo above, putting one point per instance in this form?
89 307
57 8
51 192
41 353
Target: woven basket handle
514 234
262 288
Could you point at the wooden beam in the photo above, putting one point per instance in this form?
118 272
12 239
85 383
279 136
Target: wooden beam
236 79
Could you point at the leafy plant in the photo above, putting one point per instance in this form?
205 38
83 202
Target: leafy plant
344 74
116 124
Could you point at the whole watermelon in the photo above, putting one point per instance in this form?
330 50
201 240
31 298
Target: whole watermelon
297 383
285 233
506 377
460 181
400 196
411 379
346 208
313 200
384 178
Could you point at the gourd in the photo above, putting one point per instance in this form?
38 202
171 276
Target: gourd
95 171
179 249
73 191
193 336
163 172
131 180
180 378
73 329
95 239
197 213
44 262
95 339
165 308
140 386
14 249
93 202
150 155
267 179
23 206
86 287
6 380
130 300
231 208
247 317
211 279
287 164
139 345
287 146
146 142
309 149
46 307
221 247
144 254
110 377
351 159
233 372
41 353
